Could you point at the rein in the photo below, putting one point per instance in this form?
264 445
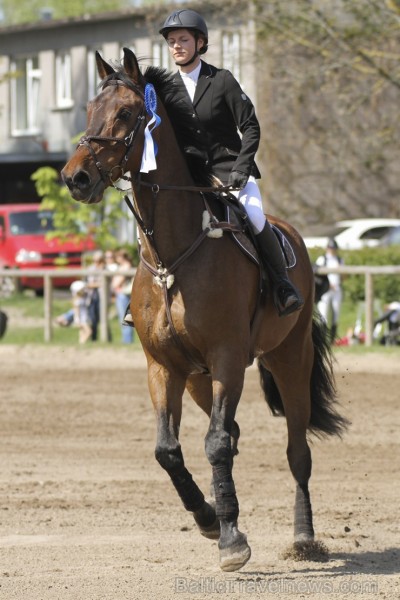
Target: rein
179 188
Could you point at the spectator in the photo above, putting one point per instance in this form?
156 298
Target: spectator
392 317
121 286
110 260
331 301
3 323
93 282
81 310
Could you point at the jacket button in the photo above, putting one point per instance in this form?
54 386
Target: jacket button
198 131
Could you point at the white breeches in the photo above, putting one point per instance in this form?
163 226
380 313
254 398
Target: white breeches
250 197
331 302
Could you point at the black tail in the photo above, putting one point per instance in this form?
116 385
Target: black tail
325 420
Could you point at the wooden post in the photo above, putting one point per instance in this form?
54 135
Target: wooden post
369 308
48 302
104 293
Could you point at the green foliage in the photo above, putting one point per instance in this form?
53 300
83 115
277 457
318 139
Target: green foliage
386 287
29 11
71 217
26 326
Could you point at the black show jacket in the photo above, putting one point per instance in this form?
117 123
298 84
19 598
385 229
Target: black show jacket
207 129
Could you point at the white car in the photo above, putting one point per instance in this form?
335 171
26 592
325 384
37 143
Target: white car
354 234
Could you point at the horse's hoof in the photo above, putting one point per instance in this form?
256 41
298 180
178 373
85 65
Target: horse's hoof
236 556
211 532
207 522
303 537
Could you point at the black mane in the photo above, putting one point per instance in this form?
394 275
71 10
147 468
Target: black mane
119 76
160 78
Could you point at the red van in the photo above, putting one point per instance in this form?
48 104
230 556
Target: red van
23 244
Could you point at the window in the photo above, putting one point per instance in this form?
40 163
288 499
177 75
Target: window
25 87
63 80
31 222
231 53
160 55
375 233
93 80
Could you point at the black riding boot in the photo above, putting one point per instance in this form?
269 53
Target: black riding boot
333 333
286 298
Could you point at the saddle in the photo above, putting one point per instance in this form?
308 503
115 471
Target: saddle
246 239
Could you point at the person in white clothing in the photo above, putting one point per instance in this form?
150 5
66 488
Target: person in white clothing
330 303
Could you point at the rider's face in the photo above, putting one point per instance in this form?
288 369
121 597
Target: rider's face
182 45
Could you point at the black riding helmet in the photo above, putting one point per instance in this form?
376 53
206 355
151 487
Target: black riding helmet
186 19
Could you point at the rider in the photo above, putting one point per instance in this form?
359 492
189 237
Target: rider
219 109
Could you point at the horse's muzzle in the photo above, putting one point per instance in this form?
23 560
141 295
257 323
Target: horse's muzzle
82 187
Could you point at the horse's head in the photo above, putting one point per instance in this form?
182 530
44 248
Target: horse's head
114 139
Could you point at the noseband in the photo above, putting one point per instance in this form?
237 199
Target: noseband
128 140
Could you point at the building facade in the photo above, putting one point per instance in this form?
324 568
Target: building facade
48 74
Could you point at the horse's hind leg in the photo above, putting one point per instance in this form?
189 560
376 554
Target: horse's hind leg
290 376
166 393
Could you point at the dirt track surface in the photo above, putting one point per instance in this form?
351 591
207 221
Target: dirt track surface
86 513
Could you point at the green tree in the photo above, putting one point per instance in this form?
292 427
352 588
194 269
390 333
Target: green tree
329 108
71 217
29 11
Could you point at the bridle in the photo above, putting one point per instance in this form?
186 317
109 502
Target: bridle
128 140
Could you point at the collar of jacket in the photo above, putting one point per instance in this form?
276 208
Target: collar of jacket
203 82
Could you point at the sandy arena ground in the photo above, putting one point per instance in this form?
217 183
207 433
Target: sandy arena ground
86 513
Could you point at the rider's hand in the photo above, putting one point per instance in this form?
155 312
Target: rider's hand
237 180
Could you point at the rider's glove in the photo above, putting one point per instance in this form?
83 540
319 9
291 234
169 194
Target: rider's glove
237 180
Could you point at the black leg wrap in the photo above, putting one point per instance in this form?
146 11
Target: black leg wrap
303 513
227 507
191 496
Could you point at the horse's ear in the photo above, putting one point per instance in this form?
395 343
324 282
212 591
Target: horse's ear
131 66
103 67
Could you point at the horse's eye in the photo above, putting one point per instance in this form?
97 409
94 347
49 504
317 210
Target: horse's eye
124 114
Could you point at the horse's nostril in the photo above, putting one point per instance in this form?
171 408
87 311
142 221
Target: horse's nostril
67 181
81 180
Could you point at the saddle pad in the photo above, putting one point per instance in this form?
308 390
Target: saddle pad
247 247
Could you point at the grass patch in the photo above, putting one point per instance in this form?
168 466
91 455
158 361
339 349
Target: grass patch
26 306
26 326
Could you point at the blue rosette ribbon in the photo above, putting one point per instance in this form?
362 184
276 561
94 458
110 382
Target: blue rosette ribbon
150 147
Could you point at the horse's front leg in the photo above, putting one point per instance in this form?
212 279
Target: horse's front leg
166 391
200 388
233 546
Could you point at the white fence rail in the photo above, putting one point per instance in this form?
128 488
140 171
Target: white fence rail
104 276
368 273
48 276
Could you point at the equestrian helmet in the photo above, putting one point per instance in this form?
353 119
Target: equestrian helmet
186 19
332 244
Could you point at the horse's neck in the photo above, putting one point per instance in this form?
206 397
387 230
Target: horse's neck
173 215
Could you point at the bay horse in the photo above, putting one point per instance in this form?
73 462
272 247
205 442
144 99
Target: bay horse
196 307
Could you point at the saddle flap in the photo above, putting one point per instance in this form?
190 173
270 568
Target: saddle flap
246 245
